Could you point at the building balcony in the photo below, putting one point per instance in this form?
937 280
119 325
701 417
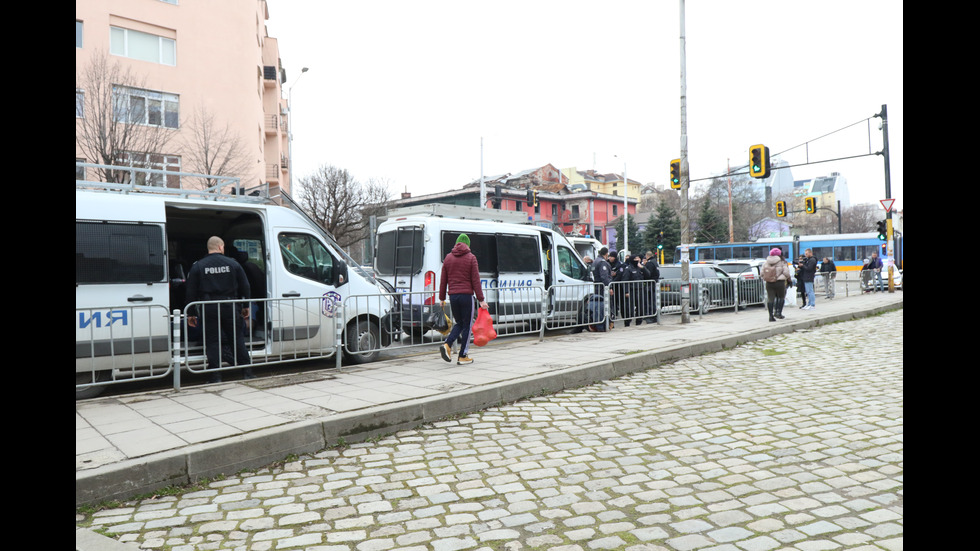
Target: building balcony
271 124
273 173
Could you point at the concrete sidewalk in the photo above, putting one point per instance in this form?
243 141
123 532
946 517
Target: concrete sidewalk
137 443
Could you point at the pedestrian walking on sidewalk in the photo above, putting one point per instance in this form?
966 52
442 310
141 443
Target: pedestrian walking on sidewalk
808 270
461 278
776 274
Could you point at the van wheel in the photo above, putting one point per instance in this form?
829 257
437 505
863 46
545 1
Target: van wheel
363 335
90 391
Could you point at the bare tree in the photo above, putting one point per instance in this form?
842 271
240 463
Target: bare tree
342 205
215 149
109 128
747 203
861 218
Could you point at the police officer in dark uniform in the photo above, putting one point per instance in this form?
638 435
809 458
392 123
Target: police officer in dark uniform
218 277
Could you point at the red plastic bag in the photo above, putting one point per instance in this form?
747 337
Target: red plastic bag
483 331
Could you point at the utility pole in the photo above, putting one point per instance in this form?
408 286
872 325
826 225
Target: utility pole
685 182
483 185
888 195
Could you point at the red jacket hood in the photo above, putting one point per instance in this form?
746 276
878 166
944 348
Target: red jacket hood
460 249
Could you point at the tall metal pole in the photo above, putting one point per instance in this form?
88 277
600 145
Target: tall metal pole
626 211
888 195
685 182
731 224
483 186
289 130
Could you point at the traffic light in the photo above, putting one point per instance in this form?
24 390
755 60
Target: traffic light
675 174
535 199
759 161
811 205
780 208
660 241
530 198
882 230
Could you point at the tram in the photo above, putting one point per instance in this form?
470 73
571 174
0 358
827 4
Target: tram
847 250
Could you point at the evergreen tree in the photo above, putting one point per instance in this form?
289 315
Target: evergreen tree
712 227
635 242
663 219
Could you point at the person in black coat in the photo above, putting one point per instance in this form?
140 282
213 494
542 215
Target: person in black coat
806 274
217 277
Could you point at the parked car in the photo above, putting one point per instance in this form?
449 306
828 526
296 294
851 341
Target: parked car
711 287
751 287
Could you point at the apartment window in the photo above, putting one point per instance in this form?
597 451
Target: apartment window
142 46
154 161
78 33
137 106
79 104
615 210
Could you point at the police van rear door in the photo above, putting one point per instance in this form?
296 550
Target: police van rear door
122 296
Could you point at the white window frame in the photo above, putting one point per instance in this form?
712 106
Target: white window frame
157 161
147 107
119 44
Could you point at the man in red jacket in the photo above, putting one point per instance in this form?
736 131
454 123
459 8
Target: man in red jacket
461 275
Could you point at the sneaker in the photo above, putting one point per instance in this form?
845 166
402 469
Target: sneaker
446 352
463 360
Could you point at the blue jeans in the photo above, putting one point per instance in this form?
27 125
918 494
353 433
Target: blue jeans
879 282
811 297
462 308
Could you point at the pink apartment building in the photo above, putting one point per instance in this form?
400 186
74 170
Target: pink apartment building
188 61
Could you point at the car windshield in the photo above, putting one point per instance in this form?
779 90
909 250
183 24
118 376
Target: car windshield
670 272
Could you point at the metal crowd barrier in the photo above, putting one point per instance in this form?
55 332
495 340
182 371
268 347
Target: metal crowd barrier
293 329
515 311
125 343
634 301
277 331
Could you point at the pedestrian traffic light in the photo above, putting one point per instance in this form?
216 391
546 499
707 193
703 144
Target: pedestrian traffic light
530 198
660 241
780 208
811 205
675 174
759 161
882 230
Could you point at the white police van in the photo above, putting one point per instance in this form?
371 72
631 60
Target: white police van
134 246
519 264
586 246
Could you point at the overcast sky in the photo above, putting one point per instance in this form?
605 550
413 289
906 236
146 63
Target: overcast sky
405 90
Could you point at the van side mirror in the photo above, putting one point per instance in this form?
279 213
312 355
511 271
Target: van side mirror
339 274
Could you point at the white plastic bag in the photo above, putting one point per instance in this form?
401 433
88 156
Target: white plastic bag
791 296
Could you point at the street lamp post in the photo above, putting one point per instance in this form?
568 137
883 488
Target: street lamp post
626 209
290 131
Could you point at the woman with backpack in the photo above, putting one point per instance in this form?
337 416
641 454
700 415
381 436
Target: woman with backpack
775 272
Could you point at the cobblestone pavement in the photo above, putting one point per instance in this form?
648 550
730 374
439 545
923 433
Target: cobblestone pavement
793 442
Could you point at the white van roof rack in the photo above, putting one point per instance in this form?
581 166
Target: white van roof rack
458 211
130 179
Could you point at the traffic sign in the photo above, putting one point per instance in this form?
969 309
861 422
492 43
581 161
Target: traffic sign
887 203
